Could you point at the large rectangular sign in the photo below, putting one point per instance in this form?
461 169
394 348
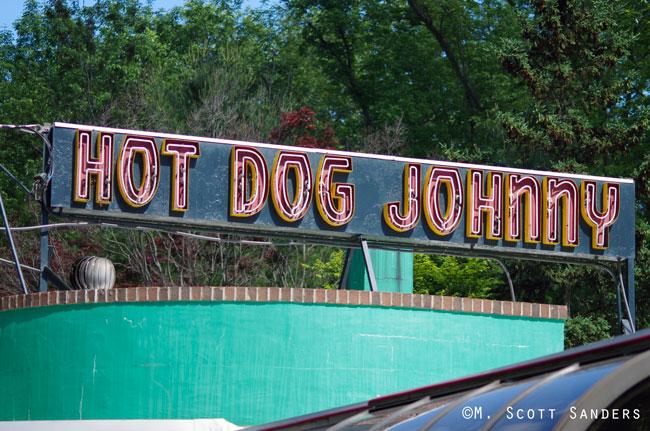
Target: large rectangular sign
163 180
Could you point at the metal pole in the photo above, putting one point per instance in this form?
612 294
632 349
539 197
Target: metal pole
626 301
631 297
45 220
619 309
343 282
45 250
15 180
618 281
369 270
505 269
11 245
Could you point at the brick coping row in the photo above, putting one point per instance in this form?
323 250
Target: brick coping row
279 294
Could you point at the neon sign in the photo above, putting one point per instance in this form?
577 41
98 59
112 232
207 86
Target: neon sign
443 224
335 201
246 200
520 187
392 215
214 184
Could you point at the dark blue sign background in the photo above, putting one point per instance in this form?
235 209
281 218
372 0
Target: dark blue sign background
377 179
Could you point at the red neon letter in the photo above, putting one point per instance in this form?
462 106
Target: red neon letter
101 167
181 152
518 187
135 195
296 208
566 191
443 224
411 190
600 220
247 162
335 201
477 203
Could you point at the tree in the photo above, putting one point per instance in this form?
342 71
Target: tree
585 111
542 84
423 14
568 58
303 129
117 64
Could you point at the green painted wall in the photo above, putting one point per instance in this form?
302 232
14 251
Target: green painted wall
393 271
246 362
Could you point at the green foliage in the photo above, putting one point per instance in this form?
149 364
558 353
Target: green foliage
568 58
452 276
581 330
66 63
642 273
584 67
541 84
326 274
191 70
376 63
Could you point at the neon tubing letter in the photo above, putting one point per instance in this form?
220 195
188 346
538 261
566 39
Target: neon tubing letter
291 209
138 195
477 203
335 201
443 224
247 162
600 220
408 218
554 192
182 152
101 167
525 187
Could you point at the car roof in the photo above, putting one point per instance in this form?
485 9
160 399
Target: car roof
587 364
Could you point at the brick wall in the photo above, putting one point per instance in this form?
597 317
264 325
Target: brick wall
277 294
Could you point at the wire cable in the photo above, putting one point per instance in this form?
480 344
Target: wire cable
11 262
41 181
148 229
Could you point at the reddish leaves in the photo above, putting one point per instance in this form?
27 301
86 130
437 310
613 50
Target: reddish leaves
303 129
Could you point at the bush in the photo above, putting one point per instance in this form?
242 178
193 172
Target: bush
579 330
452 276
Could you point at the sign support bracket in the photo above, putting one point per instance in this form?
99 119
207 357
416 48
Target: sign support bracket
12 246
343 282
627 299
45 251
369 270
510 285
626 283
631 297
45 220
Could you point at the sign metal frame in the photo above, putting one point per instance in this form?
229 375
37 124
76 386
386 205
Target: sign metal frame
378 181
159 180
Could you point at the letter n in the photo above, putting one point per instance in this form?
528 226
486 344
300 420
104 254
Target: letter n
560 197
478 203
